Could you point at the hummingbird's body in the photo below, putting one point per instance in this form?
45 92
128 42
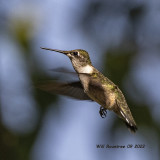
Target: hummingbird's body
93 86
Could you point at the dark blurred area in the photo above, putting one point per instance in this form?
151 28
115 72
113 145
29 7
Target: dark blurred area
123 39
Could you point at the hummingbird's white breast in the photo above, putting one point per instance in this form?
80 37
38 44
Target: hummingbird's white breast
85 69
88 69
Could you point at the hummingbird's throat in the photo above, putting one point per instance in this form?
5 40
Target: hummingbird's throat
85 69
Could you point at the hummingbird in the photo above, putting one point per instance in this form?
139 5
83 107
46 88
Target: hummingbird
92 85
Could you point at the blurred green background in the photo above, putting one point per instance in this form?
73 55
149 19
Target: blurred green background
123 39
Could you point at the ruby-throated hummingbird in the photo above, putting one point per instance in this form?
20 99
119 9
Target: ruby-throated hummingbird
93 85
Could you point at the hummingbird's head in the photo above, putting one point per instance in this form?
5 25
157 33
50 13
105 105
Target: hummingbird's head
79 58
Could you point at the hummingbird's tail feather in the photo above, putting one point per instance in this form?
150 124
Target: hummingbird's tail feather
126 115
131 125
132 128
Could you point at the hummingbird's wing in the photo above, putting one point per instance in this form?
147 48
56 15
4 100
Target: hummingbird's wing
63 70
73 89
98 93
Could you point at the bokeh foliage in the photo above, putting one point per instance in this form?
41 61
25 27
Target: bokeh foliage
14 145
116 63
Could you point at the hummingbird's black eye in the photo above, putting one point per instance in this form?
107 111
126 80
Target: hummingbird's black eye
75 53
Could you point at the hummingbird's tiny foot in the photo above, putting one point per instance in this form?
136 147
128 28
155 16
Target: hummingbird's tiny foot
102 112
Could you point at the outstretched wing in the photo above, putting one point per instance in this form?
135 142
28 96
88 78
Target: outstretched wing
63 70
73 89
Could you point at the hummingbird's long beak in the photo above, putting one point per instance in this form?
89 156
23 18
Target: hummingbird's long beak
56 50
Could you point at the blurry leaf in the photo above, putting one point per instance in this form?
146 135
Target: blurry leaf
136 13
117 64
22 31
